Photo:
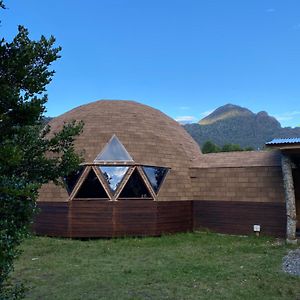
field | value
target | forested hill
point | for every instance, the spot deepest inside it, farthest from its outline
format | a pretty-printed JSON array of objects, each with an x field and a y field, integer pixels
[{"x": 238, "y": 125}]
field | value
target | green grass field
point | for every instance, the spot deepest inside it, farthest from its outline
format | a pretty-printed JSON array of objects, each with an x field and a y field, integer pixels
[{"x": 183, "y": 266}]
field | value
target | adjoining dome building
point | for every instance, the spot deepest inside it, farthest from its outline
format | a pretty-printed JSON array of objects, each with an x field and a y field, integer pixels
[{"x": 144, "y": 175}]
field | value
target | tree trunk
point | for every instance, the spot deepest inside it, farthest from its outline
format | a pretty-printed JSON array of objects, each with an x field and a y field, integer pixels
[{"x": 286, "y": 165}]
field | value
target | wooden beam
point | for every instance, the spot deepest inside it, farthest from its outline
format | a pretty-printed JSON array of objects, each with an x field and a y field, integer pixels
[
  {"x": 286, "y": 165},
  {"x": 295, "y": 146}
]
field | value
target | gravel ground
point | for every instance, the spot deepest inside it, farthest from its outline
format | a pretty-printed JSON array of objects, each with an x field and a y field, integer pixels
[{"x": 291, "y": 262}]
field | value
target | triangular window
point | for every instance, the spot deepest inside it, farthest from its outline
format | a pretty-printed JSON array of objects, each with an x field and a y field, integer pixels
[
  {"x": 155, "y": 176},
  {"x": 72, "y": 179},
  {"x": 135, "y": 187},
  {"x": 113, "y": 175},
  {"x": 114, "y": 151},
  {"x": 91, "y": 187}
]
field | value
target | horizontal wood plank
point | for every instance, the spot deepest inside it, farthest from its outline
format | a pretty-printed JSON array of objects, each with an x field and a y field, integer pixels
[
  {"x": 85, "y": 218},
  {"x": 239, "y": 217}
]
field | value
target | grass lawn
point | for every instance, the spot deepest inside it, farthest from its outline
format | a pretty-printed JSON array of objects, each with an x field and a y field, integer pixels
[{"x": 184, "y": 266}]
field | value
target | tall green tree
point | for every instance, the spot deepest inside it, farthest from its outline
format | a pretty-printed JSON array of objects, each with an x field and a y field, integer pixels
[{"x": 30, "y": 155}]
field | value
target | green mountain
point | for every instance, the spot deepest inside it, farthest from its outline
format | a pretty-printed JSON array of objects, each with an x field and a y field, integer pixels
[{"x": 238, "y": 125}]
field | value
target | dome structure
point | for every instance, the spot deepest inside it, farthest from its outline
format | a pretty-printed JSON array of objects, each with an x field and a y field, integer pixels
[
  {"x": 131, "y": 152},
  {"x": 143, "y": 175},
  {"x": 149, "y": 137}
]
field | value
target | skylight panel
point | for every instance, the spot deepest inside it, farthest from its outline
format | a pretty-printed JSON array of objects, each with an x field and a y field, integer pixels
[{"x": 114, "y": 151}]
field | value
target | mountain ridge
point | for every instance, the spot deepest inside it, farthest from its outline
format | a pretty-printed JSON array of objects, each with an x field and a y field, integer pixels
[
  {"x": 223, "y": 112},
  {"x": 238, "y": 125}
]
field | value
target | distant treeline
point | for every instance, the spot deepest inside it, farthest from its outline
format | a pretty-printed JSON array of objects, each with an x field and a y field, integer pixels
[{"x": 210, "y": 147}]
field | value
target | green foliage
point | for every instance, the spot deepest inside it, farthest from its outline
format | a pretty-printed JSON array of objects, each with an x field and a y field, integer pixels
[
  {"x": 210, "y": 147},
  {"x": 231, "y": 147},
  {"x": 249, "y": 149},
  {"x": 24, "y": 143}
]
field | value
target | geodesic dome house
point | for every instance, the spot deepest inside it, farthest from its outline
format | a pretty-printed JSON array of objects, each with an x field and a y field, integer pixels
[
  {"x": 143, "y": 174},
  {"x": 136, "y": 162}
]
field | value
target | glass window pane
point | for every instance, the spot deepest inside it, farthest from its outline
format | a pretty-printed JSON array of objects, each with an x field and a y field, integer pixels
[
  {"x": 114, "y": 151},
  {"x": 155, "y": 175},
  {"x": 135, "y": 187},
  {"x": 113, "y": 175},
  {"x": 72, "y": 179},
  {"x": 91, "y": 188}
]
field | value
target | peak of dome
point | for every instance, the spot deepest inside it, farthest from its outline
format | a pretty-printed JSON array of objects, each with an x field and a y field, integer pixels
[{"x": 147, "y": 134}]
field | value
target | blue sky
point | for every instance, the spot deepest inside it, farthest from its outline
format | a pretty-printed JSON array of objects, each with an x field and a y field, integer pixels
[{"x": 183, "y": 57}]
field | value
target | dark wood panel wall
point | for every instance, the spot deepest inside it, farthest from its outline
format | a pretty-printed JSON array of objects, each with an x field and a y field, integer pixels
[
  {"x": 91, "y": 218},
  {"x": 52, "y": 219},
  {"x": 96, "y": 218},
  {"x": 135, "y": 218},
  {"x": 239, "y": 217},
  {"x": 174, "y": 216}
]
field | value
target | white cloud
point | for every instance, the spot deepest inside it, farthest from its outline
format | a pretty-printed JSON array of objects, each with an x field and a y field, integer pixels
[
  {"x": 120, "y": 172},
  {"x": 185, "y": 119}
]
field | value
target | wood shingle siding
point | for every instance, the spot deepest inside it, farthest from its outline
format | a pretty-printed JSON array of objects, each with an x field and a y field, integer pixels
[{"x": 257, "y": 184}]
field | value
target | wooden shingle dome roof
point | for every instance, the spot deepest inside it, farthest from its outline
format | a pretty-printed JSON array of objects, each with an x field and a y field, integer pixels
[{"x": 150, "y": 137}]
